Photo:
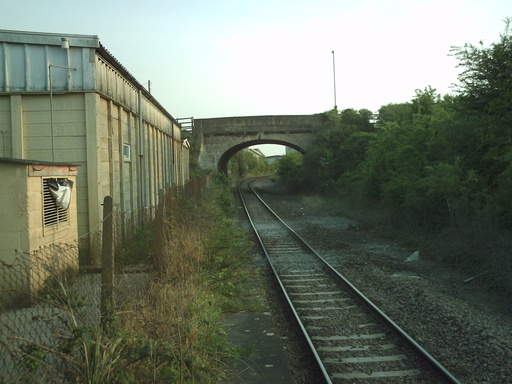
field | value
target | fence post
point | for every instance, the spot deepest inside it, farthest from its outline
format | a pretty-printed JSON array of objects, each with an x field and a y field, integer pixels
[
  {"x": 107, "y": 262},
  {"x": 160, "y": 231}
]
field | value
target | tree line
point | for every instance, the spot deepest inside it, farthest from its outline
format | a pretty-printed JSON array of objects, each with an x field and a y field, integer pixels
[
  {"x": 245, "y": 163},
  {"x": 437, "y": 157}
]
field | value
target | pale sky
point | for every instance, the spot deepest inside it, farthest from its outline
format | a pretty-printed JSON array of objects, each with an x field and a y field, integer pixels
[{"x": 213, "y": 58}]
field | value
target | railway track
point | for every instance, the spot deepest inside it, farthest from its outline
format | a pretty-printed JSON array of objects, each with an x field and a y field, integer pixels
[{"x": 351, "y": 339}]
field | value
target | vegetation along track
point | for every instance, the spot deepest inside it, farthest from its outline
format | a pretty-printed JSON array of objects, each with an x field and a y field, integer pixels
[{"x": 351, "y": 339}]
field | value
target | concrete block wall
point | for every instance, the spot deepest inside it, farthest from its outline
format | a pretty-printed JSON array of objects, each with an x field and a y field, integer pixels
[
  {"x": 29, "y": 251},
  {"x": 14, "y": 204}
]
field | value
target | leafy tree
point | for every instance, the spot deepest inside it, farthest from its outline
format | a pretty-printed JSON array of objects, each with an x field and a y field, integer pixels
[
  {"x": 289, "y": 169},
  {"x": 399, "y": 113},
  {"x": 486, "y": 99},
  {"x": 338, "y": 148},
  {"x": 409, "y": 164},
  {"x": 425, "y": 101},
  {"x": 435, "y": 156},
  {"x": 245, "y": 163},
  {"x": 486, "y": 95}
]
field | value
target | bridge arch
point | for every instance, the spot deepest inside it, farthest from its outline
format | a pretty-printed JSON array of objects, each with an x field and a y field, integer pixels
[
  {"x": 218, "y": 139},
  {"x": 222, "y": 165}
]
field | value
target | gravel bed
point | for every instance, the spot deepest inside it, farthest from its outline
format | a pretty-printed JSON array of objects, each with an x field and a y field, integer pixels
[{"x": 461, "y": 325}]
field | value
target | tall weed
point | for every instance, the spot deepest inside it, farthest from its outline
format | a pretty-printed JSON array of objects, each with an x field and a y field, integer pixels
[
  {"x": 199, "y": 273},
  {"x": 171, "y": 331}
]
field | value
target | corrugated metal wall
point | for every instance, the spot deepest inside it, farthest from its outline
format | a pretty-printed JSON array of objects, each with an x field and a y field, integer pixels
[{"x": 26, "y": 67}]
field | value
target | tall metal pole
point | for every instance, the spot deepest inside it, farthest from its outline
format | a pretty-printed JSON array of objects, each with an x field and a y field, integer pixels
[{"x": 334, "y": 78}]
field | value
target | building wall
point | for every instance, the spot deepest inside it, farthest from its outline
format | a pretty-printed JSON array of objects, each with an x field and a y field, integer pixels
[
  {"x": 25, "y": 243},
  {"x": 68, "y": 123},
  {"x": 183, "y": 164},
  {"x": 13, "y": 230},
  {"x": 26, "y": 133},
  {"x": 45, "y": 261},
  {"x": 103, "y": 170},
  {"x": 118, "y": 177},
  {"x": 5, "y": 127},
  {"x": 151, "y": 147},
  {"x": 14, "y": 203},
  {"x": 70, "y": 138},
  {"x": 98, "y": 108},
  {"x": 125, "y": 116}
]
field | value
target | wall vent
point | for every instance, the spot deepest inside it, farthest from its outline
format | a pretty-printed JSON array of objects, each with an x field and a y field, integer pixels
[{"x": 52, "y": 215}]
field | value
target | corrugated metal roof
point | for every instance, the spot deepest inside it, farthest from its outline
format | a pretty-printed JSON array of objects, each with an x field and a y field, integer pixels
[
  {"x": 27, "y": 58},
  {"x": 43, "y": 38}
]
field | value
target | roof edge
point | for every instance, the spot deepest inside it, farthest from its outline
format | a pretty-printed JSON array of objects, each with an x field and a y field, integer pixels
[
  {"x": 36, "y": 162},
  {"x": 103, "y": 52},
  {"x": 88, "y": 41},
  {"x": 47, "y": 38}
]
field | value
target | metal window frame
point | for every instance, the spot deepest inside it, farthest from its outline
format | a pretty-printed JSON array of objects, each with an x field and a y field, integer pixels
[{"x": 127, "y": 157}]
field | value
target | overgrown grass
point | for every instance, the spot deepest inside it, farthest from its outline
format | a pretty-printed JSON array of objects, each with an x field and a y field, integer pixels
[
  {"x": 199, "y": 275},
  {"x": 172, "y": 333}
]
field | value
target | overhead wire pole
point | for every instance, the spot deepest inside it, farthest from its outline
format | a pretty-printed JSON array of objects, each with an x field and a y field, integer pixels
[{"x": 334, "y": 78}]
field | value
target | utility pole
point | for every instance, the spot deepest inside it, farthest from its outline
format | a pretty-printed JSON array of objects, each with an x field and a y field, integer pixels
[{"x": 334, "y": 79}]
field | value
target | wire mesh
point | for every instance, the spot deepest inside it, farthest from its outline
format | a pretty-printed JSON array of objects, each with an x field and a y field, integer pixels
[{"x": 46, "y": 297}]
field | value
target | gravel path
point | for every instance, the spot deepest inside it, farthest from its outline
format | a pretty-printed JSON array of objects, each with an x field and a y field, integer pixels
[{"x": 467, "y": 330}]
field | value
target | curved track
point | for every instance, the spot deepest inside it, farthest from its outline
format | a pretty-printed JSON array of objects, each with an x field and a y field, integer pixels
[{"x": 351, "y": 339}]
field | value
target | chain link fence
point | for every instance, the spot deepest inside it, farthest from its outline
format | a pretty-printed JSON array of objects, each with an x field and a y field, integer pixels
[{"x": 47, "y": 299}]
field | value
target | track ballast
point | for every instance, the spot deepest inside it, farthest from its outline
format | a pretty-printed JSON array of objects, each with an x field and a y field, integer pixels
[{"x": 351, "y": 339}]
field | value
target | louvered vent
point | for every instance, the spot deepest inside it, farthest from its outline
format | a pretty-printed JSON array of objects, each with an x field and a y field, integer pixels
[{"x": 52, "y": 215}]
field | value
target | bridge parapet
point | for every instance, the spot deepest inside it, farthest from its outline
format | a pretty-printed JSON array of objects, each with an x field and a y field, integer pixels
[{"x": 251, "y": 124}]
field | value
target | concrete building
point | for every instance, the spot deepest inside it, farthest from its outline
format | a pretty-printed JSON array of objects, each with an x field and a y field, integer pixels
[
  {"x": 65, "y": 98},
  {"x": 31, "y": 221},
  {"x": 256, "y": 152}
]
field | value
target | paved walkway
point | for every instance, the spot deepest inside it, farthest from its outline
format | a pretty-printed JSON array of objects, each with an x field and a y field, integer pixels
[{"x": 256, "y": 332}]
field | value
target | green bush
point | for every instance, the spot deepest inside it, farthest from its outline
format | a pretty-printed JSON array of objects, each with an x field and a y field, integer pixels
[
  {"x": 289, "y": 170},
  {"x": 440, "y": 164}
]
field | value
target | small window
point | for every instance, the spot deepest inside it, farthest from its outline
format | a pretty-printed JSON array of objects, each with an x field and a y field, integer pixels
[
  {"x": 52, "y": 214},
  {"x": 127, "y": 152}
]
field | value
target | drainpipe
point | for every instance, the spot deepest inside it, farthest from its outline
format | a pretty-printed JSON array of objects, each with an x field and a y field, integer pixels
[
  {"x": 50, "y": 66},
  {"x": 5, "y": 144},
  {"x": 141, "y": 153},
  {"x": 173, "y": 176}
]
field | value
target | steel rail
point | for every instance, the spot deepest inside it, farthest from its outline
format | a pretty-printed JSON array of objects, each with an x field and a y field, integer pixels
[
  {"x": 283, "y": 290},
  {"x": 441, "y": 372}
]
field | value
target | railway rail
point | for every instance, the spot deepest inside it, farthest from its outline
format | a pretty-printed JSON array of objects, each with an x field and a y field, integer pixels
[{"x": 351, "y": 339}]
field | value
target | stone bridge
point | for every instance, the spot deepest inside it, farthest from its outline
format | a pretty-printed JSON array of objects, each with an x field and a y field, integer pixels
[{"x": 218, "y": 139}]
